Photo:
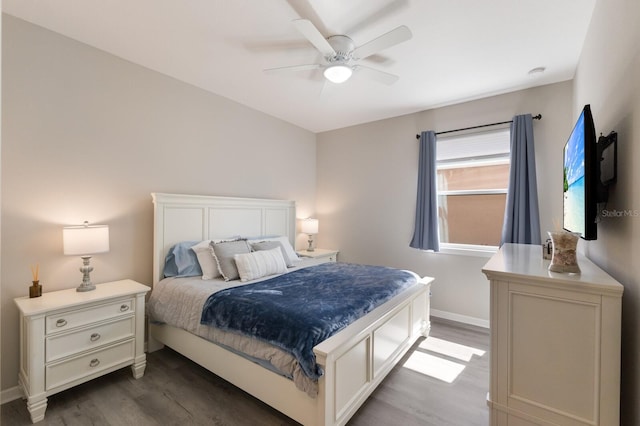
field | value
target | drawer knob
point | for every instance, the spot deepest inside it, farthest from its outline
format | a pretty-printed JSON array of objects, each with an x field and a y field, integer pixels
[
  {"x": 124, "y": 308},
  {"x": 61, "y": 322},
  {"x": 94, "y": 337},
  {"x": 94, "y": 362}
]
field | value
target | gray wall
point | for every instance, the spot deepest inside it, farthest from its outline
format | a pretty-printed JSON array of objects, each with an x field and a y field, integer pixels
[
  {"x": 366, "y": 193},
  {"x": 88, "y": 136},
  {"x": 608, "y": 78}
]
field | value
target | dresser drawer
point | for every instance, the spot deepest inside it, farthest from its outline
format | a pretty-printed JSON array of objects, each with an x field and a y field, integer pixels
[
  {"x": 79, "y": 317},
  {"x": 61, "y": 345},
  {"x": 81, "y": 367}
]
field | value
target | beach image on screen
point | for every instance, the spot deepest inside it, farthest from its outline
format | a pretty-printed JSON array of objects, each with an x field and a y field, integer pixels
[{"x": 574, "y": 195}]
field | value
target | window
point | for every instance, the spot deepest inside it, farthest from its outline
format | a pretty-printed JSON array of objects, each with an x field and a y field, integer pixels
[{"x": 473, "y": 176}]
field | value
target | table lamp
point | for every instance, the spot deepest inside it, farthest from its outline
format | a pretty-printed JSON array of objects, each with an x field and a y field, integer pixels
[
  {"x": 85, "y": 240},
  {"x": 310, "y": 227}
]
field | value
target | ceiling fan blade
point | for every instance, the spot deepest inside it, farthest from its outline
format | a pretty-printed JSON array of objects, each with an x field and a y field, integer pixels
[
  {"x": 379, "y": 76},
  {"x": 393, "y": 37},
  {"x": 314, "y": 36},
  {"x": 293, "y": 68},
  {"x": 304, "y": 9}
]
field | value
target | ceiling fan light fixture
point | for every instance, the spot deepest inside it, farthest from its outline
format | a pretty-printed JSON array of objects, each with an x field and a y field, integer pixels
[{"x": 338, "y": 73}]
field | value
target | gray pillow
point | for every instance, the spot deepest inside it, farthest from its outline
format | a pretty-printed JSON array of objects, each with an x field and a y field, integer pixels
[
  {"x": 268, "y": 245},
  {"x": 224, "y": 252}
]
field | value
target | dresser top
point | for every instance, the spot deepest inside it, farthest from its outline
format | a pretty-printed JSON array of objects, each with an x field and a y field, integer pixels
[
  {"x": 53, "y": 300},
  {"x": 524, "y": 260}
]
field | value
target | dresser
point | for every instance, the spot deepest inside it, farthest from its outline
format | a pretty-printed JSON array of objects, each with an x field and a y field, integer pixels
[
  {"x": 555, "y": 341},
  {"x": 69, "y": 337}
]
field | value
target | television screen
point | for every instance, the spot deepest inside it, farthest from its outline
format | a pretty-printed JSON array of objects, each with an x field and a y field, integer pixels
[{"x": 580, "y": 178}]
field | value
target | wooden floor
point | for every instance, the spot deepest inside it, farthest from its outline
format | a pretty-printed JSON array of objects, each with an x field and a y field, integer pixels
[{"x": 175, "y": 391}]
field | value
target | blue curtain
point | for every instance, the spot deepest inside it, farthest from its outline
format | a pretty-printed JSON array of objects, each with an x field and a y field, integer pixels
[
  {"x": 425, "y": 235},
  {"x": 521, "y": 217}
]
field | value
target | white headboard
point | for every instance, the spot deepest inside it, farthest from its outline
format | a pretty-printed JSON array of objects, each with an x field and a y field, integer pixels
[{"x": 178, "y": 217}]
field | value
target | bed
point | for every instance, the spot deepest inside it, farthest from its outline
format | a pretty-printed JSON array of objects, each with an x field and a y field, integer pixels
[{"x": 354, "y": 361}]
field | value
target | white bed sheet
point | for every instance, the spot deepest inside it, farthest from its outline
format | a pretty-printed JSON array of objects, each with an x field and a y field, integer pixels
[{"x": 179, "y": 301}]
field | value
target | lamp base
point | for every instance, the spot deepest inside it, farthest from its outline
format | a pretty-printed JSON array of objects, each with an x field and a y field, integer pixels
[
  {"x": 86, "y": 285},
  {"x": 82, "y": 287},
  {"x": 310, "y": 241}
]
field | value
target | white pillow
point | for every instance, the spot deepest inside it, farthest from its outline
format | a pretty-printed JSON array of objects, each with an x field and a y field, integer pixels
[
  {"x": 206, "y": 260},
  {"x": 286, "y": 245},
  {"x": 260, "y": 264}
]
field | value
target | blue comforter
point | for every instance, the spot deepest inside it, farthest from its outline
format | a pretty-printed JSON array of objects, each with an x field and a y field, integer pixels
[{"x": 300, "y": 309}]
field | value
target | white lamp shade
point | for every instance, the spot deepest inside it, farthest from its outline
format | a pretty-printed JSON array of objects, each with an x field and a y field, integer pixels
[
  {"x": 309, "y": 226},
  {"x": 338, "y": 73},
  {"x": 85, "y": 239}
]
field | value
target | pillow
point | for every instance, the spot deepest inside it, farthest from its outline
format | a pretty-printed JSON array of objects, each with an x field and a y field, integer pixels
[
  {"x": 223, "y": 253},
  {"x": 290, "y": 253},
  {"x": 269, "y": 245},
  {"x": 206, "y": 260},
  {"x": 260, "y": 264},
  {"x": 181, "y": 261}
]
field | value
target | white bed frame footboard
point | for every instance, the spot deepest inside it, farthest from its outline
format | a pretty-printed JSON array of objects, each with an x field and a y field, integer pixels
[{"x": 355, "y": 360}]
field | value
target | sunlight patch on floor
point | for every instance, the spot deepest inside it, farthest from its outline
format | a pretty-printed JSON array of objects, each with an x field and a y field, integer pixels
[
  {"x": 450, "y": 349},
  {"x": 434, "y": 366}
]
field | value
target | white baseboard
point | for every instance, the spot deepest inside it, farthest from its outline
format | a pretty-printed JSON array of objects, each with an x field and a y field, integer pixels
[
  {"x": 10, "y": 394},
  {"x": 460, "y": 318}
]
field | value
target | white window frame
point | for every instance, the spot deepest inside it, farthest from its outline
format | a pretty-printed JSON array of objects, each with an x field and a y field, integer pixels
[{"x": 504, "y": 158}]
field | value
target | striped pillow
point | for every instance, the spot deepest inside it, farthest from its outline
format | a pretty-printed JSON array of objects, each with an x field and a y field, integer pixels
[{"x": 260, "y": 264}]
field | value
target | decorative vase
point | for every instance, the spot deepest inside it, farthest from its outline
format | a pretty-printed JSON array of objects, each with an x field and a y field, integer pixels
[
  {"x": 564, "y": 257},
  {"x": 35, "y": 290}
]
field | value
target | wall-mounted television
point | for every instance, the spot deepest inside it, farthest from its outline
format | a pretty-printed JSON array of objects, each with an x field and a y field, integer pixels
[
  {"x": 580, "y": 178},
  {"x": 584, "y": 180}
]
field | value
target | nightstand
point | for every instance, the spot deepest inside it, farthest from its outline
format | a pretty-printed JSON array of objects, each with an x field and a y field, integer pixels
[
  {"x": 319, "y": 255},
  {"x": 69, "y": 337}
]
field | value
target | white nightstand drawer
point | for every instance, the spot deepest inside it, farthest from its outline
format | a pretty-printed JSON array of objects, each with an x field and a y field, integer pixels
[
  {"x": 318, "y": 260},
  {"x": 61, "y": 345},
  {"x": 318, "y": 256},
  {"x": 88, "y": 364},
  {"x": 79, "y": 317}
]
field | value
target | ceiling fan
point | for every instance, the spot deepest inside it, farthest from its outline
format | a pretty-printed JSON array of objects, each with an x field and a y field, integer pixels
[{"x": 341, "y": 55}]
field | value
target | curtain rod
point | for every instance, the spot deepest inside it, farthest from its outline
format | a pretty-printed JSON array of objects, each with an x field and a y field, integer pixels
[{"x": 535, "y": 117}]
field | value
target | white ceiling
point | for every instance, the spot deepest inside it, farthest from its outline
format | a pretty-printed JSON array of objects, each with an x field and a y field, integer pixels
[{"x": 460, "y": 50}]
